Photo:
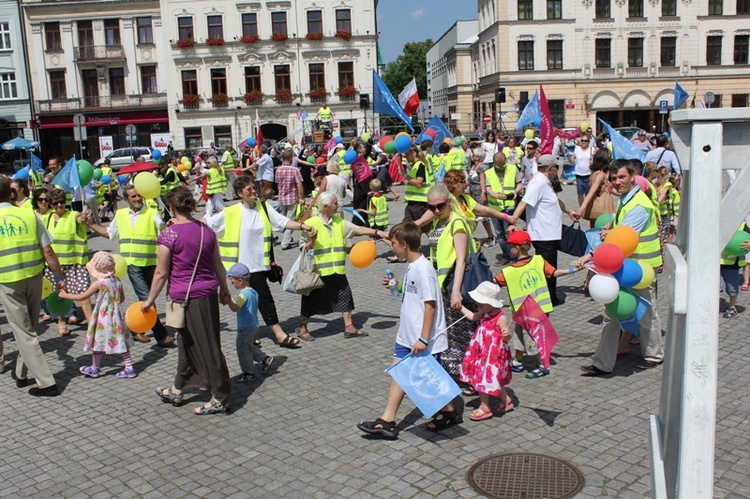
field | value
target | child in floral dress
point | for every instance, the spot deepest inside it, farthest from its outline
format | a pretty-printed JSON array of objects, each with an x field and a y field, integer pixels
[
  {"x": 107, "y": 332},
  {"x": 487, "y": 363}
]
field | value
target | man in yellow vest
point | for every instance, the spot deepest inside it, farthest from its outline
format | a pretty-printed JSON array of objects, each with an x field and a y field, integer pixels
[
  {"x": 325, "y": 115},
  {"x": 24, "y": 252},
  {"x": 137, "y": 229},
  {"x": 228, "y": 164},
  {"x": 418, "y": 182},
  {"x": 216, "y": 187},
  {"x": 636, "y": 210},
  {"x": 457, "y": 156},
  {"x": 501, "y": 185}
]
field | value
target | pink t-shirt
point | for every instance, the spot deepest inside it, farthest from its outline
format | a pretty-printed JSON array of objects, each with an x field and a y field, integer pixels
[{"x": 183, "y": 240}]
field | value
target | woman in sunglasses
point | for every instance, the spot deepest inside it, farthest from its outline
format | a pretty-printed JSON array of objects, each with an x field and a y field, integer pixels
[{"x": 68, "y": 229}]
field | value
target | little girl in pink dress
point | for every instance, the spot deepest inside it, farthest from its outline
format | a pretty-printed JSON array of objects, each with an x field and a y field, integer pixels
[{"x": 487, "y": 363}]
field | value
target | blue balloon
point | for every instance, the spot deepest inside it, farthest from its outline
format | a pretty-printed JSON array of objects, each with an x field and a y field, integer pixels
[
  {"x": 403, "y": 143},
  {"x": 350, "y": 156},
  {"x": 123, "y": 179},
  {"x": 338, "y": 139},
  {"x": 251, "y": 142},
  {"x": 156, "y": 154},
  {"x": 629, "y": 274},
  {"x": 106, "y": 179}
]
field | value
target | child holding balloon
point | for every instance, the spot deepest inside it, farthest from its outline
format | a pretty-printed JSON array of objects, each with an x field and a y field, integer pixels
[{"x": 107, "y": 332}]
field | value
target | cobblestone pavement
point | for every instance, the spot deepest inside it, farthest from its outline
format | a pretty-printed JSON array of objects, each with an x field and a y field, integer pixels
[{"x": 293, "y": 434}]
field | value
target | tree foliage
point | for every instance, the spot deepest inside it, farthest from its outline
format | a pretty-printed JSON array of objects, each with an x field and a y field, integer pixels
[{"x": 411, "y": 64}]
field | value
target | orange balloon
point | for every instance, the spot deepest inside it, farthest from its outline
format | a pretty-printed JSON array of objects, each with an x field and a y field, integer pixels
[
  {"x": 363, "y": 254},
  {"x": 137, "y": 321},
  {"x": 625, "y": 238},
  {"x": 181, "y": 168}
]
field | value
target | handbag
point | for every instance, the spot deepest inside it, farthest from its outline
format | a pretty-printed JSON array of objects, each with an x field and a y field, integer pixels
[
  {"x": 602, "y": 205},
  {"x": 573, "y": 241},
  {"x": 306, "y": 279},
  {"x": 175, "y": 316},
  {"x": 476, "y": 272},
  {"x": 276, "y": 274}
]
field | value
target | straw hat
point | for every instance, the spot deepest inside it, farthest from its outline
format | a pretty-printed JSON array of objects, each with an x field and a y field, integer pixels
[
  {"x": 487, "y": 293},
  {"x": 101, "y": 265}
]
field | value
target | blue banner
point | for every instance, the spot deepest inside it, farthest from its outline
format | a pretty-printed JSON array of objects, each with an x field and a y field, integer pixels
[
  {"x": 36, "y": 164},
  {"x": 441, "y": 133},
  {"x": 425, "y": 381},
  {"x": 68, "y": 179},
  {"x": 631, "y": 324},
  {"x": 622, "y": 148},
  {"x": 384, "y": 103},
  {"x": 532, "y": 113},
  {"x": 680, "y": 96}
]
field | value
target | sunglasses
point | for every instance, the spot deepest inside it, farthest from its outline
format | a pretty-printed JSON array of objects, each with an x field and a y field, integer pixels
[
  {"x": 437, "y": 207},
  {"x": 58, "y": 203},
  {"x": 42, "y": 200},
  {"x": 584, "y": 141}
]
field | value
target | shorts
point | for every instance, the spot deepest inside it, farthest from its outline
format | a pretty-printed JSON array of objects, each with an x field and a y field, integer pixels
[
  {"x": 730, "y": 274},
  {"x": 583, "y": 184},
  {"x": 400, "y": 351}
]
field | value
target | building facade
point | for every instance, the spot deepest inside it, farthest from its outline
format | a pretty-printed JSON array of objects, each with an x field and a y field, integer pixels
[
  {"x": 609, "y": 59},
  {"x": 232, "y": 59}
]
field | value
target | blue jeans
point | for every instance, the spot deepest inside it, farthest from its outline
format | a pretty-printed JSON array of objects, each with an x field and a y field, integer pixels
[
  {"x": 140, "y": 278},
  {"x": 500, "y": 227}
]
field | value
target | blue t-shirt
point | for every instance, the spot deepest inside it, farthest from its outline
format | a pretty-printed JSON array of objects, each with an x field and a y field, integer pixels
[{"x": 247, "y": 315}]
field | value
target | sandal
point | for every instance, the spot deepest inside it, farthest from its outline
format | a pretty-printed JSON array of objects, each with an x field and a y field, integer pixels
[
  {"x": 358, "y": 333},
  {"x": 46, "y": 317},
  {"x": 498, "y": 410},
  {"x": 443, "y": 420},
  {"x": 380, "y": 427},
  {"x": 89, "y": 371},
  {"x": 290, "y": 342},
  {"x": 212, "y": 407},
  {"x": 304, "y": 334},
  {"x": 72, "y": 320},
  {"x": 745, "y": 287},
  {"x": 62, "y": 329},
  {"x": 468, "y": 392},
  {"x": 168, "y": 396},
  {"x": 481, "y": 413}
]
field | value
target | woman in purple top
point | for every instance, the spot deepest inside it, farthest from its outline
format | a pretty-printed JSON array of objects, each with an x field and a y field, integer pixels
[{"x": 200, "y": 360}]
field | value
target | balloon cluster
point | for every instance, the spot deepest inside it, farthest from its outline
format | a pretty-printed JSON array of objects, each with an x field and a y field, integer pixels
[{"x": 619, "y": 273}]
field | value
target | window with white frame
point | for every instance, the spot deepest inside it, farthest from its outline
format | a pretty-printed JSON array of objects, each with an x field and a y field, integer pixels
[
  {"x": 5, "y": 36},
  {"x": 8, "y": 88}
]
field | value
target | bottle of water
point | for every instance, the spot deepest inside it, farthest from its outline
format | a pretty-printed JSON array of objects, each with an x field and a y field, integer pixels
[{"x": 392, "y": 285}]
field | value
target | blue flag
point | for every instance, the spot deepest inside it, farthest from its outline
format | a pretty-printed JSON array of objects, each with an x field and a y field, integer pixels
[
  {"x": 384, "y": 103},
  {"x": 68, "y": 179},
  {"x": 631, "y": 324},
  {"x": 36, "y": 164},
  {"x": 425, "y": 381},
  {"x": 680, "y": 96},
  {"x": 531, "y": 114},
  {"x": 22, "y": 173},
  {"x": 622, "y": 148},
  {"x": 441, "y": 133}
]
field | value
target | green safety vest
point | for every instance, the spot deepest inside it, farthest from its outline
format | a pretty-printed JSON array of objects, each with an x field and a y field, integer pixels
[
  {"x": 731, "y": 259},
  {"x": 649, "y": 245},
  {"x": 70, "y": 242},
  {"x": 217, "y": 181},
  {"x": 165, "y": 188},
  {"x": 507, "y": 186},
  {"x": 528, "y": 280},
  {"x": 229, "y": 242},
  {"x": 330, "y": 248},
  {"x": 380, "y": 218},
  {"x": 20, "y": 254},
  {"x": 418, "y": 194},
  {"x": 138, "y": 244}
]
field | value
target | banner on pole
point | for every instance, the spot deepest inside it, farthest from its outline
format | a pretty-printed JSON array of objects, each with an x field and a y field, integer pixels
[{"x": 425, "y": 381}]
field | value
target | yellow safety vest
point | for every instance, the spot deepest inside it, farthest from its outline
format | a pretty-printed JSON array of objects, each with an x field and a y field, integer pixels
[
  {"x": 330, "y": 248},
  {"x": 649, "y": 245},
  {"x": 507, "y": 186},
  {"x": 663, "y": 205},
  {"x": 674, "y": 204},
  {"x": 519, "y": 154},
  {"x": 444, "y": 259},
  {"x": 20, "y": 254},
  {"x": 172, "y": 184},
  {"x": 70, "y": 242},
  {"x": 325, "y": 114},
  {"x": 468, "y": 213},
  {"x": 528, "y": 280},
  {"x": 344, "y": 167},
  {"x": 229, "y": 161},
  {"x": 456, "y": 159},
  {"x": 27, "y": 204},
  {"x": 731, "y": 259},
  {"x": 229, "y": 242},
  {"x": 216, "y": 181},
  {"x": 418, "y": 194},
  {"x": 101, "y": 191},
  {"x": 36, "y": 178},
  {"x": 138, "y": 244},
  {"x": 380, "y": 218}
]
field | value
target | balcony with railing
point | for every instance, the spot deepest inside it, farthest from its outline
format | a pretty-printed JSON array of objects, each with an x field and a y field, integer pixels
[
  {"x": 90, "y": 53},
  {"x": 102, "y": 102}
]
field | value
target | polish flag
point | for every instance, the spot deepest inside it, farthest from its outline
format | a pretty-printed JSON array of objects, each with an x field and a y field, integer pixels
[
  {"x": 408, "y": 99},
  {"x": 258, "y": 132}
]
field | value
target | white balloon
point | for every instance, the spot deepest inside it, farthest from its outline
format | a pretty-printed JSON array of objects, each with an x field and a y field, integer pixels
[{"x": 604, "y": 288}]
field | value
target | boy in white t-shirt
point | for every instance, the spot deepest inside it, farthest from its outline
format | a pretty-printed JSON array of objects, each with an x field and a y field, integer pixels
[{"x": 422, "y": 320}]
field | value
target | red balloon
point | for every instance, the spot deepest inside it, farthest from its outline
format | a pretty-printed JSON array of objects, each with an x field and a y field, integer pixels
[
  {"x": 384, "y": 140},
  {"x": 431, "y": 133},
  {"x": 608, "y": 258},
  {"x": 320, "y": 160}
]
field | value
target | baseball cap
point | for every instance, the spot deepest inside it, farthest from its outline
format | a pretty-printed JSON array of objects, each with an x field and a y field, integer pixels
[
  {"x": 239, "y": 271},
  {"x": 519, "y": 237},
  {"x": 546, "y": 160}
]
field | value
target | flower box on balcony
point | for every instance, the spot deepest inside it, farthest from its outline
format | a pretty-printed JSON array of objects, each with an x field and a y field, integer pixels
[
  {"x": 347, "y": 91},
  {"x": 191, "y": 100},
  {"x": 250, "y": 39},
  {"x": 343, "y": 34},
  {"x": 283, "y": 94},
  {"x": 279, "y": 37},
  {"x": 318, "y": 93},
  {"x": 186, "y": 43},
  {"x": 315, "y": 37},
  {"x": 215, "y": 42},
  {"x": 219, "y": 100},
  {"x": 253, "y": 97}
]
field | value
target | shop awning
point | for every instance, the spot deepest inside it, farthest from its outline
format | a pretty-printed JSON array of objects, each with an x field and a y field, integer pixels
[{"x": 110, "y": 119}]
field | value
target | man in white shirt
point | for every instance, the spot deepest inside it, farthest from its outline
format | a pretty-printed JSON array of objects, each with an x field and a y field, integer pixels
[
  {"x": 265, "y": 171},
  {"x": 581, "y": 157},
  {"x": 544, "y": 216},
  {"x": 528, "y": 162},
  {"x": 663, "y": 156}
]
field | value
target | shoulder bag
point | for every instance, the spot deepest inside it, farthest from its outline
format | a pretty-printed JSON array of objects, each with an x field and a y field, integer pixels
[
  {"x": 175, "y": 316},
  {"x": 276, "y": 274},
  {"x": 477, "y": 269},
  {"x": 306, "y": 279}
]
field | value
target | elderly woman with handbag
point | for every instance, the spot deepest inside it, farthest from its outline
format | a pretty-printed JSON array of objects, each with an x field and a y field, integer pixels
[{"x": 188, "y": 258}]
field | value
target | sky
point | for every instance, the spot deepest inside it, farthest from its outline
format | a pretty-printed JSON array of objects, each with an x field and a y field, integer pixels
[{"x": 402, "y": 21}]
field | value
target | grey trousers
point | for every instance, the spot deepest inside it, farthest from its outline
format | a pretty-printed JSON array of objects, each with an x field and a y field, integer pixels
[
  {"x": 247, "y": 351},
  {"x": 651, "y": 345}
]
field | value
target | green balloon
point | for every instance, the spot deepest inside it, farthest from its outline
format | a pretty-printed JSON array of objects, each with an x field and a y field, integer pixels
[
  {"x": 459, "y": 141},
  {"x": 734, "y": 246},
  {"x": 98, "y": 173},
  {"x": 624, "y": 305},
  {"x": 603, "y": 220},
  {"x": 58, "y": 306},
  {"x": 311, "y": 159},
  {"x": 390, "y": 147},
  {"x": 85, "y": 171}
]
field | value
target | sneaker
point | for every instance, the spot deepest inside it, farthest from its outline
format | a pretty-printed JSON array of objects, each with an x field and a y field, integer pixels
[
  {"x": 89, "y": 371},
  {"x": 127, "y": 373},
  {"x": 266, "y": 364},
  {"x": 537, "y": 373},
  {"x": 516, "y": 366},
  {"x": 245, "y": 377},
  {"x": 730, "y": 312},
  {"x": 648, "y": 364},
  {"x": 489, "y": 243}
]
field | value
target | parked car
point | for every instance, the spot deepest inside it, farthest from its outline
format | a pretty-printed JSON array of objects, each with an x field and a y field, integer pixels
[
  {"x": 630, "y": 131},
  {"x": 125, "y": 156}
]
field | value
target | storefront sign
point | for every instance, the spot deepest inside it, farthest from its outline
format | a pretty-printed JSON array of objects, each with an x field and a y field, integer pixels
[
  {"x": 160, "y": 141},
  {"x": 135, "y": 118},
  {"x": 106, "y": 145}
]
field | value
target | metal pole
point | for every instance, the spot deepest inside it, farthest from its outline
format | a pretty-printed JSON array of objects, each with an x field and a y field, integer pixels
[{"x": 80, "y": 142}]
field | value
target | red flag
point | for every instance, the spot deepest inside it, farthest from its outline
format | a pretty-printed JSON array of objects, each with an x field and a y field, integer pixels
[
  {"x": 408, "y": 99},
  {"x": 547, "y": 132},
  {"x": 531, "y": 318},
  {"x": 258, "y": 132},
  {"x": 395, "y": 169}
]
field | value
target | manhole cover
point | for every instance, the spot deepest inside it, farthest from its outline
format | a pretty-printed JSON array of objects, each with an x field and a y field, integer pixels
[{"x": 522, "y": 475}]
